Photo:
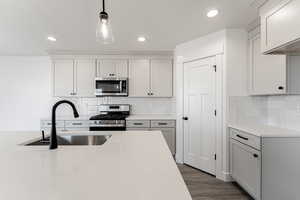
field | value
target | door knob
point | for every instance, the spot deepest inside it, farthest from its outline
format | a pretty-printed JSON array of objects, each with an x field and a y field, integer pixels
[{"x": 185, "y": 118}]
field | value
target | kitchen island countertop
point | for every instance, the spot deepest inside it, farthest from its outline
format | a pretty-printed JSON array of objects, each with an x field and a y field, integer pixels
[{"x": 130, "y": 166}]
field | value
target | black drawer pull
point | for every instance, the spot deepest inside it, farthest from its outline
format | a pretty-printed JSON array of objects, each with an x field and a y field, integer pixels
[
  {"x": 280, "y": 88},
  {"x": 255, "y": 155},
  {"x": 162, "y": 124},
  {"x": 138, "y": 124},
  {"x": 77, "y": 124},
  {"x": 244, "y": 138}
]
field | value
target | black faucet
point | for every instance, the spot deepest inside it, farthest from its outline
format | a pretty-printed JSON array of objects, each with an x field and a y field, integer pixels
[{"x": 53, "y": 136}]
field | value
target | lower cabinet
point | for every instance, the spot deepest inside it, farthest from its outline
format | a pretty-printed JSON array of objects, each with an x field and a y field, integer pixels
[
  {"x": 169, "y": 135},
  {"x": 167, "y": 127},
  {"x": 245, "y": 161}
]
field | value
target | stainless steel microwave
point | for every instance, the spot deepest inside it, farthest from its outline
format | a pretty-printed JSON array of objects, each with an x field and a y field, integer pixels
[{"x": 111, "y": 87}]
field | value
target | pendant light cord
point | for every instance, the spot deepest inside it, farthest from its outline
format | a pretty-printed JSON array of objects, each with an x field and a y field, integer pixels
[{"x": 103, "y": 4}]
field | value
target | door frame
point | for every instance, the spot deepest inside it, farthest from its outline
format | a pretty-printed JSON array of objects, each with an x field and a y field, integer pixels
[
  {"x": 212, "y": 62},
  {"x": 221, "y": 103}
]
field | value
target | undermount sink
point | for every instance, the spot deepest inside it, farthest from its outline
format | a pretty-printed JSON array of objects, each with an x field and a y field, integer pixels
[{"x": 73, "y": 140}]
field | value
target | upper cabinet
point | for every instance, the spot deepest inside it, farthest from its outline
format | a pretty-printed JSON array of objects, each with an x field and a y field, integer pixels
[
  {"x": 267, "y": 72},
  {"x": 63, "y": 78},
  {"x": 146, "y": 77},
  {"x": 150, "y": 78},
  {"x": 280, "y": 26},
  {"x": 112, "y": 68},
  {"x": 272, "y": 74},
  {"x": 161, "y": 78},
  {"x": 74, "y": 78},
  {"x": 139, "y": 78}
]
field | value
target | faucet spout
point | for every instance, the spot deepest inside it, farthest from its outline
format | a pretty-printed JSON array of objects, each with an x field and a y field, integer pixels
[{"x": 53, "y": 136}]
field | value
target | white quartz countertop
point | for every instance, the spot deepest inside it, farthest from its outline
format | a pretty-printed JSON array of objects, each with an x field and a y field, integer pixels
[
  {"x": 152, "y": 117},
  {"x": 265, "y": 130},
  {"x": 130, "y": 165}
]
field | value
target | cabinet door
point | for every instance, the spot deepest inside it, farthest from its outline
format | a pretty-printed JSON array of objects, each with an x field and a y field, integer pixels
[
  {"x": 63, "y": 71},
  {"x": 106, "y": 68},
  {"x": 267, "y": 72},
  {"x": 139, "y": 78},
  {"x": 246, "y": 167},
  {"x": 85, "y": 78},
  {"x": 170, "y": 137},
  {"x": 161, "y": 78},
  {"x": 121, "y": 67},
  {"x": 280, "y": 25}
]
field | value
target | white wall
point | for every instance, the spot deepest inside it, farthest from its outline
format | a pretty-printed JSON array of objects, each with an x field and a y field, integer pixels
[
  {"x": 25, "y": 88},
  {"x": 25, "y": 92}
]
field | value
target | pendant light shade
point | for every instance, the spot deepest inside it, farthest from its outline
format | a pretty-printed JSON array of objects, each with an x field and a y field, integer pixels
[{"x": 104, "y": 31}]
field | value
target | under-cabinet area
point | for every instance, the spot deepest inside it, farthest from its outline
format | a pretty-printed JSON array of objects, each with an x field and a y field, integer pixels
[{"x": 76, "y": 77}]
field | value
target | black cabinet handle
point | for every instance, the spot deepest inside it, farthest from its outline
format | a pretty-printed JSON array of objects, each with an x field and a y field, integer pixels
[
  {"x": 78, "y": 124},
  {"x": 244, "y": 138},
  {"x": 138, "y": 124},
  {"x": 162, "y": 124},
  {"x": 280, "y": 88},
  {"x": 185, "y": 118},
  {"x": 255, "y": 155}
]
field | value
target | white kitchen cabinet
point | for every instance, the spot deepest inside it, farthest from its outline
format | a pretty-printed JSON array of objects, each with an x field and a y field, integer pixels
[
  {"x": 74, "y": 78},
  {"x": 63, "y": 74},
  {"x": 161, "y": 78},
  {"x": 150, "y": 78},
  {"x": 112, "y": 68},
  {"x": 85, "y": 78},
  {"x": 272, "y": 74},
  {"x": 280, "y": 26},
  {"x": 169, "y": 135},
  {"x": 267, "y": 72},
  {"x": 167, "y": 127},
  {"x": 139, "y": 78},
  {"x": 246, "y": 167}
]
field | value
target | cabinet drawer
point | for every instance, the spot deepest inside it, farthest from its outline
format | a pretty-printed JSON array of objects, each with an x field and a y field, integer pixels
[
  {"x": 77, "y": 123},
  {"x": 162, "y": 123},
  {"x": 245, "y": 138},
  {"x": 138, "y": 124},
  {"x": 48, "y": 124}
]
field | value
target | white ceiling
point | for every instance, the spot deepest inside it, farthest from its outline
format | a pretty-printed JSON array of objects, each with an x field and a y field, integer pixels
[{"x": 25, "y": 24}]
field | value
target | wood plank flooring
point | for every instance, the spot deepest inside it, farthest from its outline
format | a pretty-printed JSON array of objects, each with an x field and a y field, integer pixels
[{"x": 203, "y": 186}]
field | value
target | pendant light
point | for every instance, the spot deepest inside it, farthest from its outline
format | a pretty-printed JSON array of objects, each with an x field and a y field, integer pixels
[{"x": 104, "y": 30}]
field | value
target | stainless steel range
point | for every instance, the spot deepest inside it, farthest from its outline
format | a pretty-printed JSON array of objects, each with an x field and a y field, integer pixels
[{"x": 111, "y": 117}]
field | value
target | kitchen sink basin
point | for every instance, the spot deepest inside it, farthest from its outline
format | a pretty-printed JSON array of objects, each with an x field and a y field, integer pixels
[{"x": 73, "y": 140}]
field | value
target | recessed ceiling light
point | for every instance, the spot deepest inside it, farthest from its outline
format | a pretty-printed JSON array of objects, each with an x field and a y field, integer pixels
[
  {"x": 212, "y": 13},
  {"x": 141, "y": 39},
  {"x": 50, "y": 38}
]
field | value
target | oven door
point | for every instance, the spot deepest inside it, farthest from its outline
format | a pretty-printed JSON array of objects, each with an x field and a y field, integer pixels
[{"x": 111, "y": 87}]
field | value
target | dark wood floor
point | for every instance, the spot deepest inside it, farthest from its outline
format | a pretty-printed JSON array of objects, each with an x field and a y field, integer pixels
[{"x": 203, "y": 186}]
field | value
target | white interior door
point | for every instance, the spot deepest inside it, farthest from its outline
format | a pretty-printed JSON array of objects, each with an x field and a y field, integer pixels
[{"x": 199, "y": 108}]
